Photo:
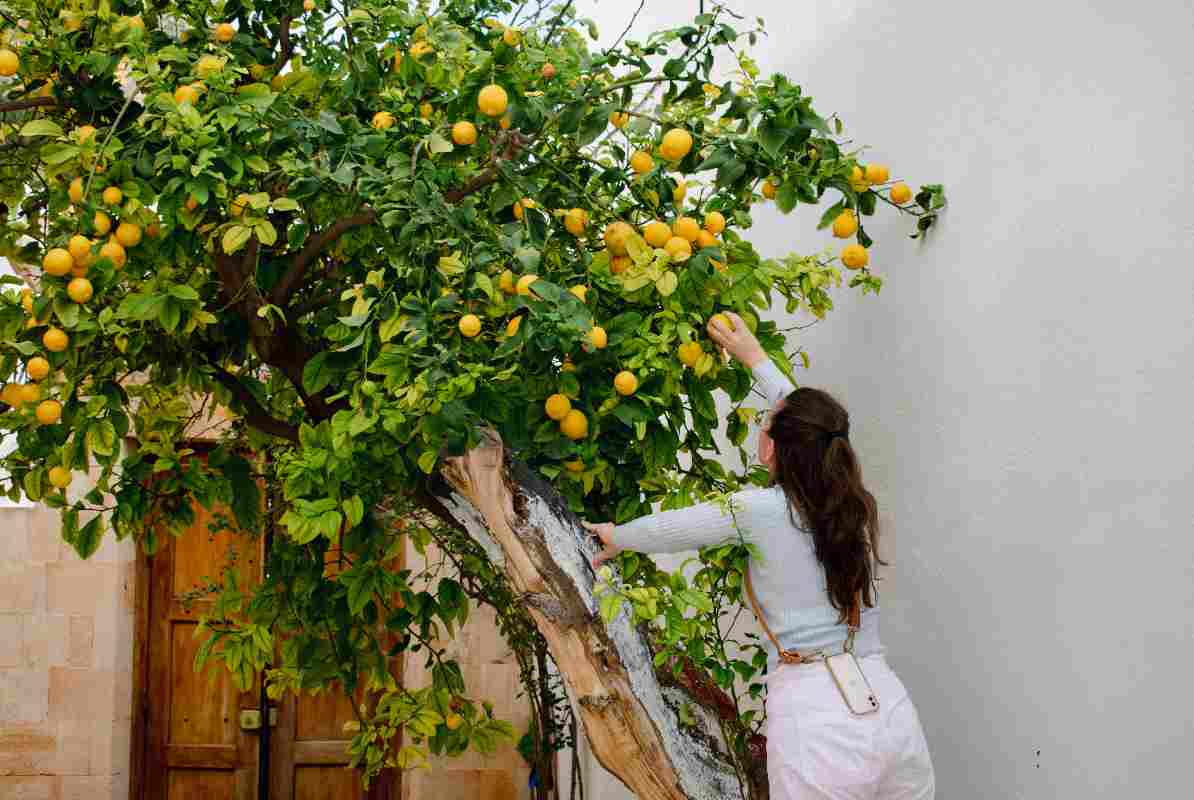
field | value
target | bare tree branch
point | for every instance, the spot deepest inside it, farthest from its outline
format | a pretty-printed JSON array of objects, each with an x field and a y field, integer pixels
[
  {"x": 316, "y": 242},
  {"x": 256, "y": 414},
  {"x": 29, "y": 102},
  {"x": 285, "y": 46},
  {"x": 515, "y": 141}
]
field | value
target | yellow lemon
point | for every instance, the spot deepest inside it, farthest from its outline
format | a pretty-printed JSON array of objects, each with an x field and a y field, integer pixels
[
  {"x": 705, "y": 239},
  {"x": 37, "y": 368},
  {"x": 679, "y": 248},
  {"x": 128, "y": 234},
  {"x": 769, "y": 190},
  {"x": 575, "y": 221},
  {"x": 512, "y": 326},
  {"x": 383, "y": 120},
  {"x": 224, "y": 32},
  {"x": 511, "y": 36},
  {"x": 469, "y": 325},
  {"x": 27, "y": 300},
  {"x": 715, "y": 222},
  {"x": 523, "y": 287},
  {"x": 49, "y": 411},
  {"x": 102, "y": 223},
  {"x": 59, "y": 477},
  {"x": 112, "y": 195},
  {"x": 597, "y": 337},
  {"x": 616, "y": 234},
  {"x": 858, "y": 181},
  {"x": 114, "y": 252},
  {"x": 453, "y": 721},
  {"x": 575, "y": 425},
  {"x": 690, "y": 353},
  {"x": 425, "y": 110},
  {"x": 641, "y": 162},
  {"x": 855, "y": 256},
  {"x": 420, "y": 49},
  {"x": 722, "y": 320},
  {"x": 676, "y": 144},
  {"x": 186, "y": 94},
  {"x": 575, "y": 467},
  {"x": 679, "y": 192},
  {"x": 86, "y": 133},
  {"x": 208, "y": 65},
  {"x": 877, "y": 173},
  {"x": 549, "y": 71},
  {"x": 235, "y": 208},
  {"x": 901, "y": 193},
  {"x": 557, "y": 407},
  {"x": 625, "y": 383},
  {"x": 579, "y": 292},
  {"x": 493, "y": 100},
  {"x": 28, "y": 393},
  {"x": 845, "y": 225},
  {"x": 619, "y": 264},
  {"x": 57, "y": 262},
  {"x": 9, "y": 62},
  {"x": 308, "y": 5},
  {"x": 55, "y": 340},
  {"x": 75, "y": 192},
  {"x": 505, "y": 122},
  {"x": 464, "y": 133},
  {"x": 79, "y": 290},
  {"x": 506, "y": 282},
  {"x": 619, "y": 119},
  {"x": 657, "y": 233},
  {"x": 686, "y": 228}
]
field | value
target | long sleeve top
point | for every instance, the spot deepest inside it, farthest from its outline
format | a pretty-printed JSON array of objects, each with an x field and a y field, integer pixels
[{"x": 788, "y": 579}]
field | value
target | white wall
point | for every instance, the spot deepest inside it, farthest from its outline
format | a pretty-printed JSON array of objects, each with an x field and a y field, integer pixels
[{"x": 1021, "y": 390}]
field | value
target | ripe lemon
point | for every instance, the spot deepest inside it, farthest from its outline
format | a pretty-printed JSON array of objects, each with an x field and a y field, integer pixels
[
  {"x": 705, "y": 239},
  {"x": 49, "y": 411},
  {"x": 676, "y": 144},
  {"x": 37, "y": 368},
  {"x": 308, "y": 5},
  {"x": 9, "y": 63},
  {"x": 208, "y": 65},
  {"x": 575, "y": 425},
  {"x": 505, "y": 122},
  {"x": 11, "y": 395},
  {"x": 855, "y": 256},
  {"x": 191, "y": 204},
  {"x": 597, "y": 337},
  {"x": 511, "y": 36},
  {"x": 679, "y": 192},
  {"x": 845, "y": 225},
  {"x": 619, "y": 119},
  {"x": 114, "y": 252},
  {"x": 722, "y": 320},
  {"x": 235, "y": 208},
  {"x": 641, "y": 162},
  {"x": 128, "y": 234},
  {"x": 464, "y": 133},
  {"x": 690, "y": 353},
  {"x": 425, "y": 110},
  {"x": 557, "y": 406},
  {"x": 453, "y": 721},
  {"x": 575, "y": 467},
  {"x": 567, "y": 366},
  {"x": 79, "y": 290},
  {"x": 186, "y": 94},
  {"x": 383, "y": 120},
  {"x": 86, "y": 133},
  {"x": 397, "y": 62},
  {"x": 102, "y": 223},
  {"x": 625, "y": 383},
  {"x": 769, "y": 190},
  {"x": 686, "y": 228},
  {"x": 79, "y": 247},
  {"x": 470, "y": 325},
  {"x": 678, "y": 248},
  {"x": 512, "y": 326},
  {"x": 657, "y": 233},
  {"x": 520, "y": 207},
  {"x": 575, "y": 221},
  {"x": 858, "y": 181},
  {"x": 549, "y": 71},
  {"x": 75, "y": 192},
  {"x": 27, "y": 300},
  {"x": 29, "y": 393},
  {"x": 579, "y": 292},
  {"x": 877, "y": 173},
  {"x": 420, "y": 49},
  {"x": 57, "y": 262},
  {"x": 616, "y": 234},
  {"x": 59, "y": 477},
  {"x": 224, "y": 32},
  {"x": 55, "y": 340},
  {"x": 112, "y": 195},
  {"x": 715, "y": 222},
  {"x": 619, "y": 264},
  {"x": 901, "y": 193},
  {"x": 506, "y": 282},
  {"x": 523, "y": 287},
  {"x": 492, "y": 101}
]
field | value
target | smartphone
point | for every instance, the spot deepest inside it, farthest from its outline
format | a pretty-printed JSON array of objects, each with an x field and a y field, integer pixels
[{"x": 856, "y": 691}]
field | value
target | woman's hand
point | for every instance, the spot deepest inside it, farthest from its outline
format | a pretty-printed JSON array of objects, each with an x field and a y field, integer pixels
[
  {"x": 605, "y": 532},
  {"x": 739, "y": 342}
]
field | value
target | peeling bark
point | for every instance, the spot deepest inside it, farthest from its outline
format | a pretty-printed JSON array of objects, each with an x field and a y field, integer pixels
[{"x": 631, "y": 718}]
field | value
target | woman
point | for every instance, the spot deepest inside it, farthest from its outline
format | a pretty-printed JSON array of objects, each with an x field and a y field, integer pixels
[{"x": 816, "y": 530}]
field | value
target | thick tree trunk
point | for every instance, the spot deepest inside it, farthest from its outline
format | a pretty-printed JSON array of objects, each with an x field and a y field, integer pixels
[{"x": 630, "y": 716}]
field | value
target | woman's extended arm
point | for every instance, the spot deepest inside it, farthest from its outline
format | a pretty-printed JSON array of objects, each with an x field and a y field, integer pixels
[
  {"x": 674, "y": 531},
  {"x": 743, "y": 346}
]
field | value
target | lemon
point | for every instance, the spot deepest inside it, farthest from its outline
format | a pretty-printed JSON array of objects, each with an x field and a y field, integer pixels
[
  {"x": 676, "y": 144},
  {"x": 678, "y": 248},
  {"x": 575, "y": 467},
  {"x": 619, "y": 119},
  {"x": 464, "y": 133},
  {"x": 114, "y": 252},
  {"x": 722, "y": 320},
  {"x": 492, "y": 101},
  {"x": 28, "y": 393},
  {"x": 523, "y": 287},
  {"x": 505, "y": 122},
  {"x": 855, "y": 256},
  {"x": 686, "y": 228},
  {"x": 11, "y": 394},
  {"x": 420, "y": 49},
  {"x": 235, "y": 208},
  {"x": 877, "y": 173},
  {"x": 57, "y": 262},
  {"x": 845, "y": 225},
  {"x": 79, "y": 290},
  {"x": 383, "y": 120},
  {"x": 557, "y": 406},
  {"x": 469, "y": 325},
  {"x": 86, "y": 133},
  {"x": 520, "y": 207},
  {"x": 102, "y": 223},
  {"x": 690, "y": 353},
  {"x": 55, "y": 340},
  {"x": 128, "y": 234},
  {"x": 506, "y": 282},
  {"x": 308, "y": 5},
  {"x": 27, "y": 300},
  {"x": 75, "y": 192},
  {"x": 619, "y": 264},
  {"x": 37, "y": 368},
  {"x": 769, "y": 190},
  {"x": 597, "y": 337},
  {"x": 112, "y": 195},
  {"x": 616, "y": 234},
  {"x": 679, "y": 192},
  {"x": 453, "y": 721},
  {"x": 511, "y": 36},
  {"x": 575, "y": 425},
  {"x": 579, "y": 292},
  {"x": 575, "y": 221},
  {"x": 9, "y": 62},
  {"x": 186, "y": 94},
  {"x": 59, "y": 477},
  {"x": 512, "y": 326},
  {"x": 48, "y": 412},
  {"x": 224, "y": 32},
  {"x": 901, "y": 193},
  {"x": 549, "y": 71},
  {"x": 208, "y": 65},
  {"x": 425, "y": 110},
  {"x": 657, "y": 233},
  {"x": 705, "y": 239},
  {"x": 641, "y": 162},
  {"x": 858, "y": 181},
  {"x": 625, "y": 383}
]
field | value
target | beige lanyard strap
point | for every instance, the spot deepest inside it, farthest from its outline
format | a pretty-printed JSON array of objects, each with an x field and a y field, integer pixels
[{"x": 853, "y": 619}]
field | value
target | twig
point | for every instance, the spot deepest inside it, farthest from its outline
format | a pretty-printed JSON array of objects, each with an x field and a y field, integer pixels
[
  {"x": 290, "y": 281},
  {"x": 555, "y": 23},
  {"x": 29, "y": 102}
]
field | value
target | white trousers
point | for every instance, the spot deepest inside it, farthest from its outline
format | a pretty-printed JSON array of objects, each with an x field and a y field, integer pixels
[{"x": 818, "y": 750}]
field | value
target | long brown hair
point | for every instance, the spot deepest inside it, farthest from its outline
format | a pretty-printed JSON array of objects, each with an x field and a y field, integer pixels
[{"x": 819, "y": 473}]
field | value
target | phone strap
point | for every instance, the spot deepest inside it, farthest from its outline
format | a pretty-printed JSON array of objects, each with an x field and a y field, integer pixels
[{"x": 853, "y": 620}]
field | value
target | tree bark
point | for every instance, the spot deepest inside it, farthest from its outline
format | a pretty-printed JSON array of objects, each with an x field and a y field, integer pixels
[{"x": 630, "y": 716}]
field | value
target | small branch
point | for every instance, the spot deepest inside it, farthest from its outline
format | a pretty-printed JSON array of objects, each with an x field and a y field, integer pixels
[
  {"x": 285, "y": 46},
  {"x": 514, "y": 143},
  {"x": 290, "y": 282},
  {"x": 314, "y": 304},
  {"x": 255, "y": 413},
  {"x": 555, "y": 23},
  {"x": 30, "y": 102}
]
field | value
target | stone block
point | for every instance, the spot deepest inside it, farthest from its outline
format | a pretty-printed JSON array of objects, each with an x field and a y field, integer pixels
[
  {"x": 82, "y": 695},
  {"x": 81, "y": 588},
  {"x": 24, "y": 696},
  {"x": 44, "y": 640},
  {"x": 45, "y": 535},
  {"x": 80, "y": 641},
  {"x": 88, "y": 787},
  {"x": 22, "y": 586},
  {"x": 30, "y": 787},
  {"x": 27, "y": 749},
  {"x": 12, "y": 642}
]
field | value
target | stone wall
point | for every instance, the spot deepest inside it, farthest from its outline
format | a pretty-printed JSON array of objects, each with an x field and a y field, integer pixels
[{"x": 66, "y": 636}]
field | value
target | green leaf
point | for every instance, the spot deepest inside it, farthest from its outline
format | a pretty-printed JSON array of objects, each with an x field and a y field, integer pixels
[
  {"x": 611, "y": 605},
  {"x": 101, "y": 438},
  {"x": 87, "y": 540},
  {"x": 427, "y": 461},
  {"x": 486, "y": 285},
  {"x": 667, "y": 283},
  {"x": 786, "y": 198},
  {"x": 285, "y": 204},
  {"x": 391, "y": 327},
  {"x": 257, "y": 163},
  {"x": 41, "y": 127},
  {"x": 436, "y": 143},
  {"x": 773, "y": 137},
  {"x": 317, "y": 374},
  {"x": 327, "y": 121},
  {"x": 235, "y": 238},
  {"x": 266, "y": 233},
  {"x": 183, "y": 292},
  {"x": 354, "y": 510}
]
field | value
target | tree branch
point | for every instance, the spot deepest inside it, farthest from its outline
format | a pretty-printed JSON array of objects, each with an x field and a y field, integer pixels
[
  {"x": 515, "y": 141},
  {"x": 255, "y": 413},
  {"x": 285, "y": 46},
  {"x": 316, "y": 242},
  {"x": 29, "y": 102}
]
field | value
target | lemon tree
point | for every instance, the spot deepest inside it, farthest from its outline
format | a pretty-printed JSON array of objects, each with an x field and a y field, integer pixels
[{"x": 385, "y": 239}]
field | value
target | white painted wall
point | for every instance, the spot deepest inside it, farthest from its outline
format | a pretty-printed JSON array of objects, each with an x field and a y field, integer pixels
[{"x": 1021, "y": 391}]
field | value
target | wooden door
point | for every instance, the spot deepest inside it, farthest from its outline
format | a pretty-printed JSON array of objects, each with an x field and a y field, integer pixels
[{"x": 195, "y": 748}]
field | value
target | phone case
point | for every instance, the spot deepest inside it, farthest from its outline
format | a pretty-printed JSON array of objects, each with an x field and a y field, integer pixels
[{"x": 856, "y": 691}]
